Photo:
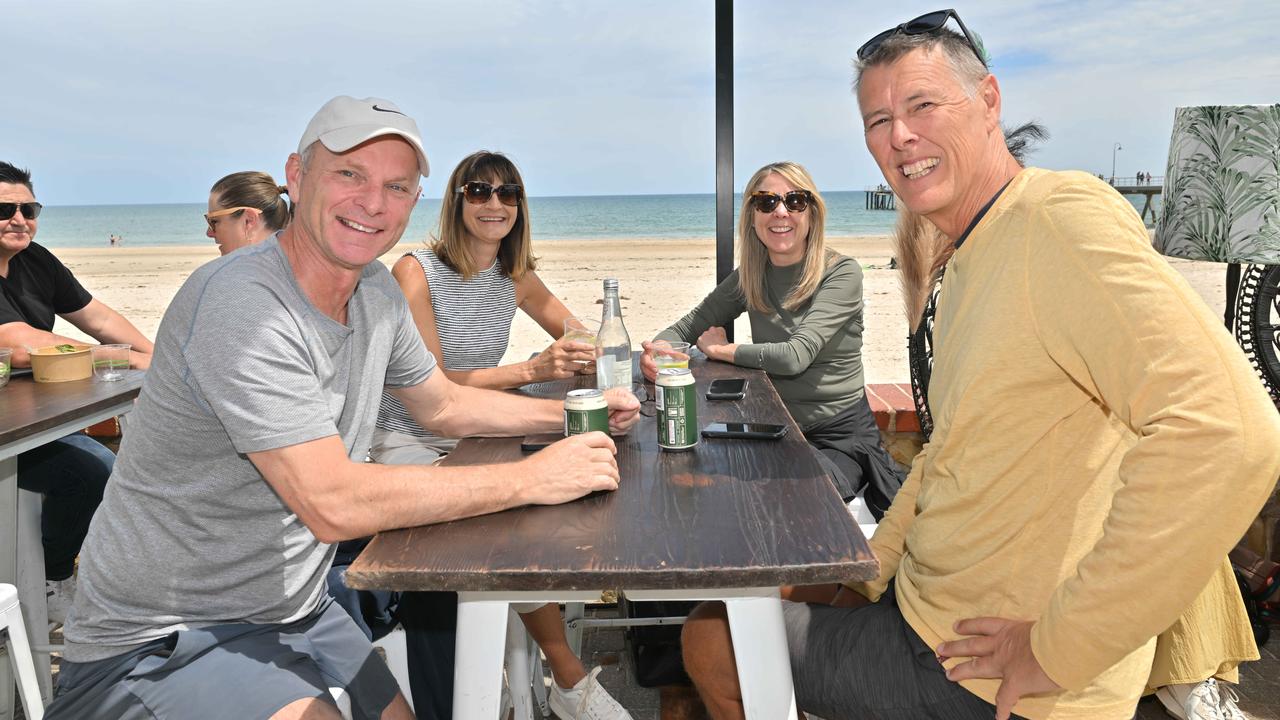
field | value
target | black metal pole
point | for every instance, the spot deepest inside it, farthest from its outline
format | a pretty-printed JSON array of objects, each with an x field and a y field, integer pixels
[
  {"x": 1233, "y": 291},
  {"x": 724, "y": 143}
]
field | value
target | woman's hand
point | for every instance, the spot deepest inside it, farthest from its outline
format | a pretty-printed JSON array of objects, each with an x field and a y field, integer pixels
[
  {"x": 715, "y": 344},
  {"x": 648, "y": 367},
  {"x": 562, "y": 359}
]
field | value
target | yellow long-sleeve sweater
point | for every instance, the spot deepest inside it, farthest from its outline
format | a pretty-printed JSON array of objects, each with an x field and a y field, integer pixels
[{"x": 1100, "y": 443}]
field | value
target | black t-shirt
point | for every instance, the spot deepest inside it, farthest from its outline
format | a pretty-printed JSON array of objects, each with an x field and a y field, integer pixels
[{"x": 38, "y": 287}]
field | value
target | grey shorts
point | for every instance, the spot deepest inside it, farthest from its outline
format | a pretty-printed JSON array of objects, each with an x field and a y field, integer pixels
[
  {"x": 230, "y": 671},
  {"x": 867, "y": 663}
]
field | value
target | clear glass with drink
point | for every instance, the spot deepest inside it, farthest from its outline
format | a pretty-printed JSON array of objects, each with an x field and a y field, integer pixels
[
  {"x": 110, "y": 361},
  {"x": 669, "y": 354},
  {"x": 584, "y": 330}
]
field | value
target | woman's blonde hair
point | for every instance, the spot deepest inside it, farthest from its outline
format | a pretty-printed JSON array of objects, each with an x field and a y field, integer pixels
[
  {"x": 515, "y": 254},
  {"x": 753, "y": 256}
]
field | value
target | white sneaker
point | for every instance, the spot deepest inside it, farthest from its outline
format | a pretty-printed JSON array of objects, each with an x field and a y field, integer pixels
[
  {"x": 587, "y": 700},
  {"x": 59, "y": 594},
  {"x": 1196, "y": 701},
  {"x": 1227, "y": 699}
]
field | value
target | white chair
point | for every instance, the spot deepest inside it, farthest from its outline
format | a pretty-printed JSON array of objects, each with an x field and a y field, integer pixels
[
  {"x": 862, "y": 516},
  {"x": 20, "y": 652},
  {"x": 396, "y": 651}
]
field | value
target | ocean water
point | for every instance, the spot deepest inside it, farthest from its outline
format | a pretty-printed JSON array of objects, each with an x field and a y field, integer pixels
[{"x": 616, "y": 216}]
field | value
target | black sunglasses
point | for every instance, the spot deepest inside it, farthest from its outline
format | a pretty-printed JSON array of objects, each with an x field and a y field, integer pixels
[
  {"x": 797, "y": 201},
  {"x": 30, "y": 210},
  {"x": 477, "y": 192},
  {"x": 927, "y": 23}
]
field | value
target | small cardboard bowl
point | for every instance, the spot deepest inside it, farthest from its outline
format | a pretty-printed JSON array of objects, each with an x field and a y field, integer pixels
[{"x": 48, "y": 365}]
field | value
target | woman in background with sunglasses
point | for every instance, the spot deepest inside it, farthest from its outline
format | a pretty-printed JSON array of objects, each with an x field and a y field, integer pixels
[
  {"x": 246, "y": 208},
  {"x": 805, "y": 306},
  {"x": 463, "y": 292}
]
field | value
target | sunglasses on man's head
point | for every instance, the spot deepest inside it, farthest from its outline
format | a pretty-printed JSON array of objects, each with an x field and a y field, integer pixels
[
  {"x": 478, "y": 192},
  {"x": 30, "y": 210},
  {"x": 797, "y": 201},
  {"x": 923, "y": 25}
]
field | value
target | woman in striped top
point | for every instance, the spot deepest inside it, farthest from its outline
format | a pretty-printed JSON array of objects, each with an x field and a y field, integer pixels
[{"x": 463, "y": 293}]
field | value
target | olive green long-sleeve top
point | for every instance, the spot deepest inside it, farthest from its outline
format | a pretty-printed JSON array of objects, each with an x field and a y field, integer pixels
[
  {"x": 1100, "y": 443},
  {"x": 813, "y": 354}
]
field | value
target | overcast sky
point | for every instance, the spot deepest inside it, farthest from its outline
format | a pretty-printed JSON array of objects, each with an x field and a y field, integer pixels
[{"x": 142, "y": 101}]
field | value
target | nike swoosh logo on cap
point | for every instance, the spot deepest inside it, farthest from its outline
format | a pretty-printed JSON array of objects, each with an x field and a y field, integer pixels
[{"x": 375, "y": 107}]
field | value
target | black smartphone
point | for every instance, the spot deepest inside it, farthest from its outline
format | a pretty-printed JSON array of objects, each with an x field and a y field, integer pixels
[
  {"x": 534, "y": 443},
  {"x": 727, "y": 389},
  {"x": 748, "y": 430}
]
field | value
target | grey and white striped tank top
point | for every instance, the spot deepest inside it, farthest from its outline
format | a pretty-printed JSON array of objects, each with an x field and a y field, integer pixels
[{"x": 473, "y": 319}]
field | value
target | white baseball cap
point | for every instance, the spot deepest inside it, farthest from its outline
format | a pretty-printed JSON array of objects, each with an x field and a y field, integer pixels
[{"x": 344, "y": 122}]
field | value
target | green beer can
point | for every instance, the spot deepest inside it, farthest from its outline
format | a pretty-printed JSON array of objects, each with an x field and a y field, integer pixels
[
  {"x": 677, "y": 409},
  {"x": 585, "y": 410}
]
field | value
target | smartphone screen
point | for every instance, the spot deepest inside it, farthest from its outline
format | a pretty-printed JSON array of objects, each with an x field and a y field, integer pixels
[
  {"x": 726, "y": 388},
  {"x": 750, "y": 430}
]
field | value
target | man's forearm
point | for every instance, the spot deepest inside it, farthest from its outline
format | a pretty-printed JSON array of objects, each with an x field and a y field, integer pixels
[
  {"x": 492, "y": 413},
  {"x": 119, "y": 330},
  {"x": 20, "y": 336},
  {"x": 395, "y": 496}
]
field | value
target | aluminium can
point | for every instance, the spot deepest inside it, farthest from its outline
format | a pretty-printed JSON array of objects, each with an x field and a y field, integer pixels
[
  {"x": 677, "y": 409},
  {"x": 585, "y": 410}
]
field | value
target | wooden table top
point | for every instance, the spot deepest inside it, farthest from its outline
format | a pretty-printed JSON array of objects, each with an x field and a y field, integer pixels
[
  {"x": 730, "y": 513},
  {"x": 28, "y": 407}
]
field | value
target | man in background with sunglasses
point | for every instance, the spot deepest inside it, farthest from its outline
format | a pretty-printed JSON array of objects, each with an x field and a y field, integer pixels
[
  {"x": 1087, "y": 404},
  {"x": 35, "y": 287}
]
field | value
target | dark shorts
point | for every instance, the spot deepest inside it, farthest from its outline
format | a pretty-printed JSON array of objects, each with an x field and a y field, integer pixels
[
  {"x": 851, "y": 451},
  {"x": 868, "y": 664},
  {"x": 231, "y": 671}
]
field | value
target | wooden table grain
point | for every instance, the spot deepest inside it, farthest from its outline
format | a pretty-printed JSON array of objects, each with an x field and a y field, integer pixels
[{"x": 728, "y": 519}]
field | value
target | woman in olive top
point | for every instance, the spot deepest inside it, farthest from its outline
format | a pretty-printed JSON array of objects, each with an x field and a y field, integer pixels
[{"x": 805, "y": 306}]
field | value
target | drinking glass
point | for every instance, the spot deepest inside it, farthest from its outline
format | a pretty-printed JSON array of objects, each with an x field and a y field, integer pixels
[
  {"x": 670, "y": 354},
  {"x": 580, "y": 329},
  {"x": 110, "y": 361}
]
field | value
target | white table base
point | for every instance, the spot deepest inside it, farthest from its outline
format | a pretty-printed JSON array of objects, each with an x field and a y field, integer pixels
[
  {"x": 755, "y": 622},
  {"x": 30, "y": 593}
]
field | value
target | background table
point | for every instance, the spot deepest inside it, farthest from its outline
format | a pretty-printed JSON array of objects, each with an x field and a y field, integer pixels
[
  {"x": 32, "y": 414},
  {"x": 730, "y": 520}
]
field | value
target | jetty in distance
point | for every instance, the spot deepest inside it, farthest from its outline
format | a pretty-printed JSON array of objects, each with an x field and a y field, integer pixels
[{"x": 881, "y": 197}]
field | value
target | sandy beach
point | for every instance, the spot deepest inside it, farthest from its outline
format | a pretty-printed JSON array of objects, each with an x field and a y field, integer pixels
[{"x": 660, "y": 280}]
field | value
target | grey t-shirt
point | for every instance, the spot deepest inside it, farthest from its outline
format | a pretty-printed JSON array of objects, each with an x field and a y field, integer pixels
[{"x": 189, "y": 533}]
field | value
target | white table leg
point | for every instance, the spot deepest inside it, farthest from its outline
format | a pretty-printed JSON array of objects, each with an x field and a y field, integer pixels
[
  {"x": 30, "y": 584},
  {"x": 477, "y": 672},
  {"x": 518, "y": 667},
  {"x": 760, "y": 646}
]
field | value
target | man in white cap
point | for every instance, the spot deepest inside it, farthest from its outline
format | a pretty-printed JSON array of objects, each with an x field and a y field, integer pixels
[{"x": 202, "y": 583}]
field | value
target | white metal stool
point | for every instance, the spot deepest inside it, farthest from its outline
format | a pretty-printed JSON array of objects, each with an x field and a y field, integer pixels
[
  {"x": 397, "y": 654},
  {"x": 20, "y": 652}
]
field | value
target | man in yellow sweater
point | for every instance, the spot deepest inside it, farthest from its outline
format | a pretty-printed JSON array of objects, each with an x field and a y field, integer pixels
[{"x": 1086, "y": 403}]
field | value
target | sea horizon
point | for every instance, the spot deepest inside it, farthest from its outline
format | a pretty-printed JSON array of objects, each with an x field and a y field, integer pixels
[{"x": 553, "y": 217}]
